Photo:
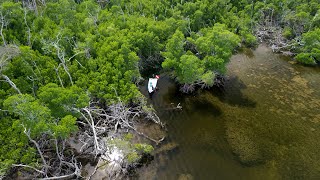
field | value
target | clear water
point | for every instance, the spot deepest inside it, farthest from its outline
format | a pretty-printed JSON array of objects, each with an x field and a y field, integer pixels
[{"x": 263, "y": 125}]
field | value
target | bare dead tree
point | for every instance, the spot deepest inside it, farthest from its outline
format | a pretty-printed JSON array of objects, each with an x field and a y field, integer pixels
[
  {"x": 91, "y": 122},
  {"x": 99, "y": 123},
  {"x": 27, "y": 133},
  {"x": 32, "y": 5},
  {"x": 103, "y": 3},
  {"x": 12, "y": 84},
  {"x": 61, "y": 54},
  {"x": 3, "y": 24},
  {"x": 42, "y": 2},
  {"x": 54, "y": 165},
  {"x": 28, "y": 28},
  {"x": 6, "y": 54},
  {"x": 95, "y": 17}
]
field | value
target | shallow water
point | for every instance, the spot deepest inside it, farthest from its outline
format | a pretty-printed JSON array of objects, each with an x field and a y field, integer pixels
[{"x": 263, "y": 125}]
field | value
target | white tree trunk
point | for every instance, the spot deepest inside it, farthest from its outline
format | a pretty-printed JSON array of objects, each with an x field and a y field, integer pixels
[
  {"x": 11, "y": 83},
  {"x": 3, "y": 23}
]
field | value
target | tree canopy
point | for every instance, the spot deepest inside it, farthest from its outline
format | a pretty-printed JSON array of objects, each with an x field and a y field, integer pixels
[{"x": 58, "y": 55}]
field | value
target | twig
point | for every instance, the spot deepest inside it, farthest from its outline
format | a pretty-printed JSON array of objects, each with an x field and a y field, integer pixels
[{"x": 27, "y": 166}]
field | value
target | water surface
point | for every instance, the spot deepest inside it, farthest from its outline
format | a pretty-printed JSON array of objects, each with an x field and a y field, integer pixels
[{"x": 264, "y": 124}]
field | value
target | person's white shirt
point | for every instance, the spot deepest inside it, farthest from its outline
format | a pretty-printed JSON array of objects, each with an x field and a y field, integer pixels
[{"x": 152, "y": 84}]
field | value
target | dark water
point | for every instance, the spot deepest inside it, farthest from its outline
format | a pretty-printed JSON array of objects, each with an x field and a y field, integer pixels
[{"x": 263, "y": 125}]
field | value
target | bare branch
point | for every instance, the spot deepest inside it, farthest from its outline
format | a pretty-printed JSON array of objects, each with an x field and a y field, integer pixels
[
  {"x": 12, "y": 84},
  {"x": 27, "y": 166},
  {"x": 60, "y": 177},
  {"x": 4, "y": 22},
  {"x": 28, "y": 28},
  {"x": 27, "y": 133}
]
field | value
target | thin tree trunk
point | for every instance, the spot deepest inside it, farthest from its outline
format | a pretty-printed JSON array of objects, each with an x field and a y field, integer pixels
[
  {"x": 29, "y": 30},
  {"x": 1, "y": 30},
  {"x": 57, "y": 72},
  {"x": 37, "y": 146},
  {"x": 11, "y": 83},
  {"x": 93, "y": 130},
  {"x": 67, "y": 71}
]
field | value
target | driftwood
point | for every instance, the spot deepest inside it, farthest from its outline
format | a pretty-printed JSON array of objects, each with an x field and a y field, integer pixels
[{"x": 173, "y": 107}]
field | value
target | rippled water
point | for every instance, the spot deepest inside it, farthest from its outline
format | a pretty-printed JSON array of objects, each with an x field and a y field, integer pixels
[{"x": 263, "y": 125}]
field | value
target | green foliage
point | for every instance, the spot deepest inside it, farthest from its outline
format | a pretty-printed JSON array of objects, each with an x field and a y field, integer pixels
[
  {"x": 65, "y": 127},
  {"x": 62, "y": 101},
  {"x": 217, "y": 41},
  {"x": 213, "y": 48},
  {"x": 104, "y": 47},
  {"x": 32, "y": 117},
  {"x": 133, "y": 157},
  {"x": 174, "y": 50},
  {"x": 30, "y": 112},
  {"x": 287, "y": 33},
  {"x": 249, "y": 39},
  {"x": 128, "y": 136},
  {"x": 305, "y": 58},
  {"x": 13, "y": 16},
  {"x": 145, "y": 148},
  {"x": 311, "y": 49},
  {"x": 14, "y": 145}
]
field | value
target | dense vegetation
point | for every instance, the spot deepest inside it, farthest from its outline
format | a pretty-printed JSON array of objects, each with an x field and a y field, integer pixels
[{"x": 58, "y": 55}]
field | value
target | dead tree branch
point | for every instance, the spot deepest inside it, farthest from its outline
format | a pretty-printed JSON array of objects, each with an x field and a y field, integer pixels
[
  {"x": 27, "y": 166},
  {"x": 3, "y": 23},
  {"x": 27, "y": 133},
  {"x": 12, "y": 84}
]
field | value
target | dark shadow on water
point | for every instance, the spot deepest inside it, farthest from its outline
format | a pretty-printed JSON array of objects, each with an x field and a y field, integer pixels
[
  {"x": 205, "y": 107},
  {"x": 231, "y": 93},
  {"x": 189, "y": 102}
]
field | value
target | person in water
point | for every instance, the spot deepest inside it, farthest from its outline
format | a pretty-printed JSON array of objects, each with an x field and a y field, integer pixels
[{"x": 154, "y": 88}]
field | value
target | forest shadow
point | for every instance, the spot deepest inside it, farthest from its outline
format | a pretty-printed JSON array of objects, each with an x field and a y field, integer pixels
[
  {"x": 190, "y": 102},
  {"x": 231, "y": 93},
  {"x": 204, "y": 107}
]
